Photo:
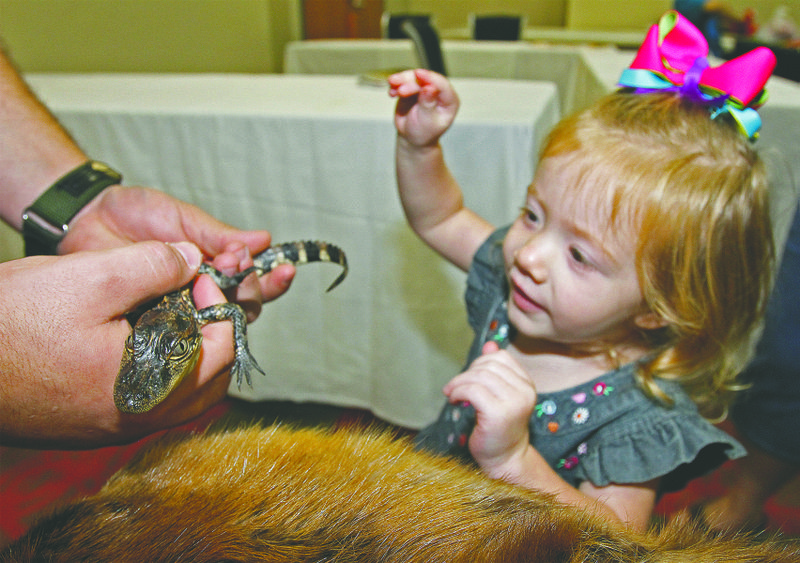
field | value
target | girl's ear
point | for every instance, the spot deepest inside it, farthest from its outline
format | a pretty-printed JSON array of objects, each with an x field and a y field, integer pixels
[{"x": 650, "y": 321}]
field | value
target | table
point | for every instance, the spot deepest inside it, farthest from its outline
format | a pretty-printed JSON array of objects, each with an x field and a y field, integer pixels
[
  {"x": 561, "y": 64},
  {"x": 560, "y": 35},
  {"x": 313, "y": 157},
  {"x": 582, "y": 74}
]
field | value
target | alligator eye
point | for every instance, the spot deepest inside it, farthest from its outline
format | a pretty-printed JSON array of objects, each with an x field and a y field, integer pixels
[{"x": 181, "y": 348}]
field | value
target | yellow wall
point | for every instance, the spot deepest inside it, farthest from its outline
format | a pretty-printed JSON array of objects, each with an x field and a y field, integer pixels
[
  {"x": 149, "y": 35},
  {"x": 640, "y": 14},
  {"x": 574, "y": 14},
  {"x": 451, "y": 14},
  {"x": 250, "y": 35}
]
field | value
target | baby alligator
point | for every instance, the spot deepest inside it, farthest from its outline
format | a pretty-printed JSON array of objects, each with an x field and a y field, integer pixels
[{"x": 165, "y": 343}]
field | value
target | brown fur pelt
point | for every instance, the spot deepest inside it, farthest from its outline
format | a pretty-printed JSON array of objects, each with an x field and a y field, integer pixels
[{"x": 294, "y": 495}]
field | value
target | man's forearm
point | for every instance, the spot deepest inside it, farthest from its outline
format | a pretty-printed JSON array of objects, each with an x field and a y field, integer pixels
[{"x": 36, "y": 150}]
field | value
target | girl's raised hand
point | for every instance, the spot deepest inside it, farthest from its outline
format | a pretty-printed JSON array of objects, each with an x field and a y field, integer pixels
[
  {"x": 504, "y": 397},
  {"x": 426, "y": 105}
]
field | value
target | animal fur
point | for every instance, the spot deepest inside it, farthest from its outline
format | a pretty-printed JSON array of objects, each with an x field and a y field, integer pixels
[{"x": 284, "y": 495}]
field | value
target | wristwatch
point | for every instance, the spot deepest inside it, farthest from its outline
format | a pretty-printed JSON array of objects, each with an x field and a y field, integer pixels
[{"x": 46, "y": 222}]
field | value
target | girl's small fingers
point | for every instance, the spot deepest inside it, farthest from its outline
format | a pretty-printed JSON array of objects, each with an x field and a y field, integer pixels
[
  {"x": 494, "y": 384},
  {"x": 500, "y": 360},
  {"x": 401, "y": 77},
  {"x": 503, "y": 387},
  {"x": 476, "y": 395}
]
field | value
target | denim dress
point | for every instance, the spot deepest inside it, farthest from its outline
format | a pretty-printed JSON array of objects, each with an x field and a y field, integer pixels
[{"x": 603, "y": 431}]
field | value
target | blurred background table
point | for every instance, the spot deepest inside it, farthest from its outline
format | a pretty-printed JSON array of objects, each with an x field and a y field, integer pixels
[
  {"x": 565, "y": 36},
  {"x": 560, "y": 64},
  {"x": 312, "y": 157}
]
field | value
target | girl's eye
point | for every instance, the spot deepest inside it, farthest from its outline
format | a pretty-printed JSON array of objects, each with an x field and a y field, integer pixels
[
  {"x": 530, "y": 216},
  {"x": 579, "y": 257}
]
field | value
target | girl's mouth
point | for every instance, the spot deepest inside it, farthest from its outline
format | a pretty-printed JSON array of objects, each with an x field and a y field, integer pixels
[{"x": 523, "y": 301}]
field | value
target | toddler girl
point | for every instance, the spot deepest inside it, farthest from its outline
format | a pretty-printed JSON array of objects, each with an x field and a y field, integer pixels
[{"x": 617, "y": 309}]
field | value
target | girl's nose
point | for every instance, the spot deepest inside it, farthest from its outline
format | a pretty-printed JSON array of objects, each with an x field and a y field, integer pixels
[{"x": 533, "y": 257}]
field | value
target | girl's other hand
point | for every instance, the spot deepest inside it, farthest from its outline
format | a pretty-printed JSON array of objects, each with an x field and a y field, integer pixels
[{"x": 426, "y": 105}]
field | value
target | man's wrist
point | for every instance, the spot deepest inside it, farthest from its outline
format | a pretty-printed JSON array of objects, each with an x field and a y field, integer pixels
[{"x": 46, "y": 222}]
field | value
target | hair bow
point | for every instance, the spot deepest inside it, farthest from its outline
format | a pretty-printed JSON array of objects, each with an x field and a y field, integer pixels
[{"x": 673, "y": 58}]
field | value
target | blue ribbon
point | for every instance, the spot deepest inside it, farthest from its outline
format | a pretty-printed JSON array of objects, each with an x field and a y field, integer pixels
[{"x": 647, "y": 82}]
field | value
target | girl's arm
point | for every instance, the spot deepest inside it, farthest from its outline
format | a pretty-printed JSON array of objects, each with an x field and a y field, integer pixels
[
  {"x": 431, "y": 197},
  {"x": 631, "y": 504}
]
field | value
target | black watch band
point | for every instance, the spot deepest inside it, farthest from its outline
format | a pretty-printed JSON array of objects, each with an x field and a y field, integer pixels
[{"x": 46, "y": 222}]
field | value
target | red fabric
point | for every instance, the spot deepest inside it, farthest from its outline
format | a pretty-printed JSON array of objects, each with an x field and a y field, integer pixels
[
  {"x": 782, "y": 513},
  {"x": 34, "y": 482}
]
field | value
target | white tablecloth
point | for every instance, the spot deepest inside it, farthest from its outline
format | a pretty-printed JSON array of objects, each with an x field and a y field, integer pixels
[
  {"x": 560, "y": 64},
  {"x": 313, "y": 157}
]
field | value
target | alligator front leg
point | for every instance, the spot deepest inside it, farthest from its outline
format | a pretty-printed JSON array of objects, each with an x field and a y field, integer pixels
[{"x": 244, "y": 360}]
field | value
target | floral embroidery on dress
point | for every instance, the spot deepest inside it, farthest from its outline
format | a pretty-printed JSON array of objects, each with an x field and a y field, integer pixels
[
  {"x": 580, "y": 415},
  {"x": 501, "y": 334},
  {"x": 601, "y": 389},
  {"x": 497, "y": 331},
  {"x": 579, "y": 398},
  {"x": 572, "y": 461},
  {"x": 552, "y": 426},
  {"x": 568, "y": 462},
  {"x": 547, "y": 407}
]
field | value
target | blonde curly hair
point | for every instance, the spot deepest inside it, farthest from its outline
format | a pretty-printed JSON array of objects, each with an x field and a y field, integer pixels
[{"x": 696, "y": 192}]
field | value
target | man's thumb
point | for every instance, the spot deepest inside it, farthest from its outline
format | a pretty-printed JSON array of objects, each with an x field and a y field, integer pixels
[
  {"x": 189, "y": 252},
  {"x": 148, "y": 270}
]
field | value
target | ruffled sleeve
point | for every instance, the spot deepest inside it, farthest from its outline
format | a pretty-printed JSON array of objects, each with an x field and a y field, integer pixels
[{"x": 674, "y": 443}]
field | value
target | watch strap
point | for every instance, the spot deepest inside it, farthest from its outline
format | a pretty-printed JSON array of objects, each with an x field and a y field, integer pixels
[{"x": 46, "y": 221}]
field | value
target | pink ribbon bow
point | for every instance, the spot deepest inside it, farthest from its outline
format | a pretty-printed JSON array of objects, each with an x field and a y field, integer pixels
[{"x": 673, "y": 57}]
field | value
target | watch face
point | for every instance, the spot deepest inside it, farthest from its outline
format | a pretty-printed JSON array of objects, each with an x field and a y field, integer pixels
[
  {"x": 85, "y": 178},
  {"x": 75, "y": 186}
]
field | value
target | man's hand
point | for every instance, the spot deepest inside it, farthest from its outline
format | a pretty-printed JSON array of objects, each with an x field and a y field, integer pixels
[
  {"x": 62, "y": 338},
  {"x": 121, "y": 216}
]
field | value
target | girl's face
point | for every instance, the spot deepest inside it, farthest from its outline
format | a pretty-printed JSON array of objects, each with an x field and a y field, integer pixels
[{"x": 573, "y": 279}]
